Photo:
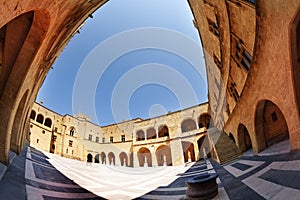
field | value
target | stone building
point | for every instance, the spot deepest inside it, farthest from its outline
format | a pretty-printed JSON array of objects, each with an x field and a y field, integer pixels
[
  {"x": 172, "y": 139},
  {"x": 251, "y": 49}
]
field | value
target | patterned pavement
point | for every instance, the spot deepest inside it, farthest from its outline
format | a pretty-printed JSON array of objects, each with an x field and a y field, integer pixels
[{"x": 38, "y": 175}]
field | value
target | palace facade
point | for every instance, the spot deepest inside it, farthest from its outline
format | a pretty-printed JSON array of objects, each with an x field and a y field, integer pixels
[{"x": 172, "y": 139}]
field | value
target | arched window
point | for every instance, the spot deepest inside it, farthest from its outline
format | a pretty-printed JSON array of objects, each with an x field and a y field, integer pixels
[
  {"x": 204, "y": 120},
  {"x": 72, "y": 131},
  {"x": 151, "y": 133},
  {"x": 48, "y": 123},
  {"x": 40, "y": 118},
  {"x": 163, "y": 131},
  {"x": 32, "y": 114},
  {"x": 188, "y": 125},
  {"x": 140, "y": 135}
]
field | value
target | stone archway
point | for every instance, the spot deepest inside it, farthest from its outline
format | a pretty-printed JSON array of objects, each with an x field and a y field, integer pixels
[
  {"x": 204, "y": 120},
  {"x": 20, "y": 40},
  {"x": 103, "y": 158},
  {"x": 89, "y": 158},
  {"x": 270, "y": 125},
  {"x": 144, "y": 157},
  {"x": 163, "y": 156},
  {"x": 188, "y": 151},
  {"x": 244, "y": 140},
  {"x": 97, "y": 158},
  {"x": 111, "y": 158},
  {"x": 123, "y": 159}
]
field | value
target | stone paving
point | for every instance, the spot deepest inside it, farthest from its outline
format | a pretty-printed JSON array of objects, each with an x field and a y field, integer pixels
[{"x": 39, "y": 175}]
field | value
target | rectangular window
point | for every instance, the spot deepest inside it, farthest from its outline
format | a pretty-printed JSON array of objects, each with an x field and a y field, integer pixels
[
  {"x": 90, "y": 137},
  {"x": 43, "y": 132},
  {"x": 37, "y": 141},
  {"x": 70, "y": 143},
  {"x": 111, "y": 139},
  {"x": 97, "y": 139},
  {"x": 241, "y": 56},
  {"x": 123, "y": 138},
  {"x": 213, "y": 27},
  {"x": 233, "y": 91},
  {"x": 274, "y": 117},
  {"x": 54, "y": 137},
  {"x": 103, "y": 140}
]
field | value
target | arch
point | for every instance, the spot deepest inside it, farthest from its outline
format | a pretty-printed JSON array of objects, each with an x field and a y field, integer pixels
[
  {"x": 244, "y": 140},
  {"x": 48, "y": 122},
  {"x": 163, "y": 155},
  {"x": 40, "y": 119},
  {"x": 144, "y": 157},
  {"x": 97, "y": 158},
  {"x": 295, "y": 54},
  {"x": 103, "y": 158},
  {"x": 188, "y": 125},
  {"x": 111, "y": 158},
  {"x": 204, "y": 120},
  {"x": 20, "y": 40},
  {"x": 17, "y": 133},
  {"x": 32, "y": 115},
  {"x": 188, "y": 151},
  {"x": 151, "y": 133},
  {"x": 270, "y": 124},
  {"x": 89, "y": 158},
  {"x": 123, "y": 159},
  {"x": 140, "y": 135},
  {"x": 163, "y": 131}
]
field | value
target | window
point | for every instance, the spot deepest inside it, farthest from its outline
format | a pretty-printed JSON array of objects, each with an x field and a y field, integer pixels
[
  {"x": 90, "y": 137},
  {"x": 240, "y": 54},
  {"x": 123, "y": 138},
  {"x": 274, "y": 117},
  {"x": 213, "y": 27},
  {"x": 233, "y": 91},
  {"x": 43, "y": 131},
  {"x": 140, "y": 135},
  {"x": 66, "y": 150},
  {"x": 72, "y": 152},
  {"x": 217, "y": 62},
  {"x": 48, "y": 123},
  {"x": 72, "y": 132},
  {"x": 70, "y": 143},
  {"x": 32, "y": 114},
  {"x": 54, "y": 137},
  {"x": 40, "y": 119},
  {"x": 97, "y": 139},
  {"x": 37, "y": 141},
  {"x": 55, "y": 129},
  {"x": 31, "y": 125},
  {"x": 111, "y": 139},
  {"x": 188, "y": 125},
  {"x": 103, "y": 140}
]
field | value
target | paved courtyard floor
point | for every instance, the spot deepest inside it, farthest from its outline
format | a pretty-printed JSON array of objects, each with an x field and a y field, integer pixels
[{"x": 39, "y": 175}]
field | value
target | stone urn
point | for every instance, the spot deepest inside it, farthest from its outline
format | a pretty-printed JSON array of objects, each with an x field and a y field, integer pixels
[{"x": 202, "y": 186}]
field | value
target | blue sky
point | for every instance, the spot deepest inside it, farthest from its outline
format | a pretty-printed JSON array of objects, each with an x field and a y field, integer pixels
[{"x": 125, "y": 75}]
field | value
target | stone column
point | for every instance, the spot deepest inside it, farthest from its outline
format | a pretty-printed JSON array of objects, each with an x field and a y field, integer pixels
[
  {"x": 176, "y": 152},
  {"x": 153, "y": 156}
]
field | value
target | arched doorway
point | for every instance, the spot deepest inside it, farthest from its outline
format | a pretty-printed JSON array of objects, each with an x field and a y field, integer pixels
[
  {"x": 89, "y": 158},
  {"x": 270, "y": 124},
  {"x": 204, "y": 120},
  {"x": 111, "y": 158},
  {"x": 103, "y": 158},
  {"x": 144, "y": 157},
  {"x": 163, "y": 156},
  {"x": 97, "y": 160},
  {"x": 244, "y": 139},
  {"x": 295, "y": 51},
  {"x": 140, "y": 135},
  {"x": 188, "y": 151},
  {"x": 123, "y": 159}
]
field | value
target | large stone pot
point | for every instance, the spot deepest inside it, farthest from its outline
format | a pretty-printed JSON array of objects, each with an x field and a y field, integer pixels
[{"x": 202, "y": 186}]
